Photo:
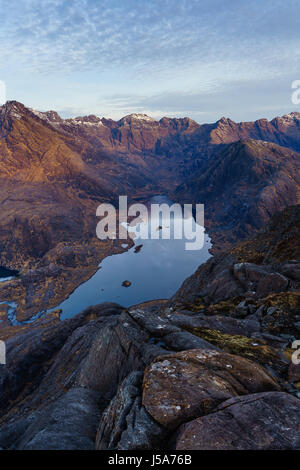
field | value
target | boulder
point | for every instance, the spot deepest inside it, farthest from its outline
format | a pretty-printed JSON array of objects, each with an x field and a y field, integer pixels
[
  {"x": 262, "y": 421},
  {"x": 259, "y": 279},
  {"x": 291, "y": 270},
  {"x": 272, "y": 283},
  {"x": 185, "y": 385}
]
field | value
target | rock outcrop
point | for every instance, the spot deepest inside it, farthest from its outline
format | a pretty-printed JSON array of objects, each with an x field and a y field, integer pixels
[
  {"x": 180, "y": 386},
  {"x": 113, "y": 378},
  {"x": 263, "y": 421}
]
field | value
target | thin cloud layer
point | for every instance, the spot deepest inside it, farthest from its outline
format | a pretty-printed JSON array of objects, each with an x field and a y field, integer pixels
[{"x": 179, "y": 47}]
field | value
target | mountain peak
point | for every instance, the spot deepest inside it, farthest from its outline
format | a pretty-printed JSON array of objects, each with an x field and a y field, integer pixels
[
  {"x": 137, "y": 117},
  {"x": 50, "y": 116},
  {"x": 291, "y": 116},
  {"x": 13, "y": 109},
  {"x": 90, "y": 120},
  {"x": 225, "y": 120}
]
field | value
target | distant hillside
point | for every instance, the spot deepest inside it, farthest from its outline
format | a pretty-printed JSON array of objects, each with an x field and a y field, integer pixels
[{"x": 242, "y": 187}]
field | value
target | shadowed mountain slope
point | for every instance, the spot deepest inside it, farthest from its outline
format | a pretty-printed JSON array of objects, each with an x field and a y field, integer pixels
[{"x": 243, "y": 186}]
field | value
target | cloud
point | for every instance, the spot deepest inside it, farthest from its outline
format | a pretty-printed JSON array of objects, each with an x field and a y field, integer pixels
[
  {"x": 56, "y": 36},
  {"x": 175, "y": 57},
  {"x": 256, "y": 98},
  {"x": 240, "y": 100}
]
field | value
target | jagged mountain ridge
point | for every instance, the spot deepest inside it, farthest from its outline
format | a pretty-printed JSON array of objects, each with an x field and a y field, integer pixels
[
  {"x": 104, "y": 158},
  {"x": 135, "y": 132},
  {"x": 185, "y": 141},
  {"x": 98, "y": 159},
  {"x": 283, "y": 130}
]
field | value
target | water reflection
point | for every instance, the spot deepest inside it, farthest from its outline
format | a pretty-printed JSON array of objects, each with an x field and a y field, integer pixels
[{"x": 155, "y": 270}]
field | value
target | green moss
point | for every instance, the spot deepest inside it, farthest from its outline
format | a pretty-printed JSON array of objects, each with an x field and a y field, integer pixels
[
  {"x": 196, "y": 306},
  {"x": 289, "y": 301},
  {"x": 225, "y": 307},
  {"x": 249, "y": 348}
]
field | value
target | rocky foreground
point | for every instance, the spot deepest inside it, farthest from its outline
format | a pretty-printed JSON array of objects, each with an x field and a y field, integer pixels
[{"x": 210, "y": 368}]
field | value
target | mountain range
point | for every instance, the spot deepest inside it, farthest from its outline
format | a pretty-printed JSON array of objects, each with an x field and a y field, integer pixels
[
  {"x": 66, "y": 166},
  {"x": 201, "y": 370},
  {"x": 54, "y": 173}
]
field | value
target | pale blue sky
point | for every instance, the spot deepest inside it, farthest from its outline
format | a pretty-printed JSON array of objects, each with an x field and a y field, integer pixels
[{"x": 197, "y": 58}]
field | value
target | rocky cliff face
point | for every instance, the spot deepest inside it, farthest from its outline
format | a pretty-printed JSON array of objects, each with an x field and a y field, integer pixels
[{"x": 198, "y": 371}]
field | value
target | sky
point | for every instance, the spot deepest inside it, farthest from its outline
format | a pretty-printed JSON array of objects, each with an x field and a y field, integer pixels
[{"x": 198, "y": 58}]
